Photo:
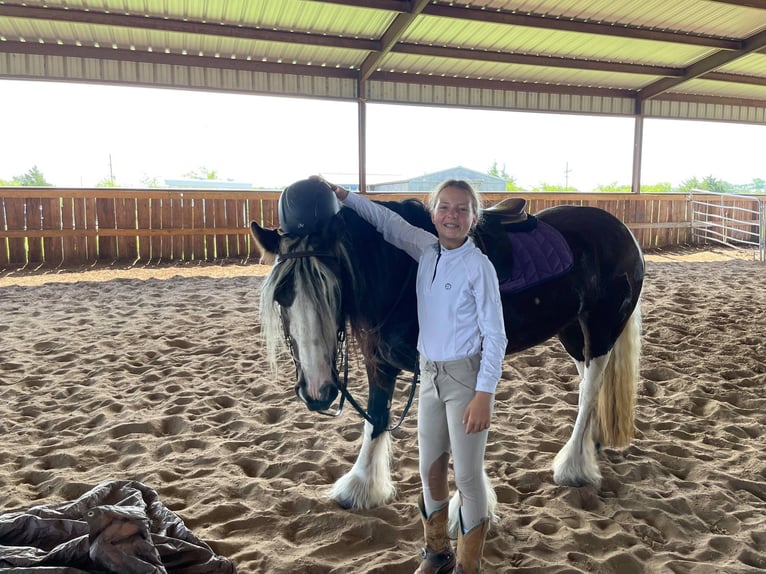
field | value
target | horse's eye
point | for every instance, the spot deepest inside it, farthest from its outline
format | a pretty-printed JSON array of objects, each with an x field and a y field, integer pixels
[{"x": 284, "y": 294}]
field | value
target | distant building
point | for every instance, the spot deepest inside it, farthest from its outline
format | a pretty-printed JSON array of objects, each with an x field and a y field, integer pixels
[
  {"x": 479, "y": 181},
  {"x": 206, "y": 184}
]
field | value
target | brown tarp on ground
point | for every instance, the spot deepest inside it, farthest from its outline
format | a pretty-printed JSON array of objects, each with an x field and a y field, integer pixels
[{"x": 130, "y": 532}]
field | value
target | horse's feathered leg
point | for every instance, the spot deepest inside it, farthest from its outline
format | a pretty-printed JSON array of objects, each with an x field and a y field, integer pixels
[
  {"x": 368, "y": 484},
  {"x": 576, "y": 464}
]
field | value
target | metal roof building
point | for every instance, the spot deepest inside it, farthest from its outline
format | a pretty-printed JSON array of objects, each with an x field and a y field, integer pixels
[
  {"x": 427, "y": 182},
  {"x": 687, "y": 59}
]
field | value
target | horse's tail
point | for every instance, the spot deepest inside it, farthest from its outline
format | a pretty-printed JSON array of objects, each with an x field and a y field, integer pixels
[{"x": 616, "y": 410}]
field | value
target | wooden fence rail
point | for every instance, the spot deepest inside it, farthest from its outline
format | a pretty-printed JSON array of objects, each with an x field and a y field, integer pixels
[{"x": 70, "y": 227}]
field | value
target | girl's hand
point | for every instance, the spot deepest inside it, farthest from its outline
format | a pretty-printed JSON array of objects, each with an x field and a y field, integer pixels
[
  {"x": 477, "y": 415},
  {"x": 340, "y": 192}
]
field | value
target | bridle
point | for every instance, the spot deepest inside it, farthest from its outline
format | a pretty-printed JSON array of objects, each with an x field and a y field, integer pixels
[{"x": 341, "y": 354}]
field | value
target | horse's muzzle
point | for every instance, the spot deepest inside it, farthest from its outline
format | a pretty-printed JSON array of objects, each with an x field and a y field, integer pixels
[{"x": 329, "y": 394}]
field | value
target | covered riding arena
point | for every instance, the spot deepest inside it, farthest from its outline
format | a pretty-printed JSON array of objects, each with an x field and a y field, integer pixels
[{"x": 129, "y": 326}]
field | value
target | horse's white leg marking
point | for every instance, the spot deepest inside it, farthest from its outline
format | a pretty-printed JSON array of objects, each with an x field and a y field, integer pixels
[
  {"x": 576, "y": 463},
  {"x": 368, "y": 484},
  {"x": 580, "y": 368},
  {"x": 454, "y": 508}
]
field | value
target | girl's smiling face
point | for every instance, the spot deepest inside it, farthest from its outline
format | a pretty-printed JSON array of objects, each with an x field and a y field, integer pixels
[{"x": 453, "y": 216}]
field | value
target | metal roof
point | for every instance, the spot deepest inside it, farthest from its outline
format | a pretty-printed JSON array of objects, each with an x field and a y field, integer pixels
[{"x": 698, "y": 59}]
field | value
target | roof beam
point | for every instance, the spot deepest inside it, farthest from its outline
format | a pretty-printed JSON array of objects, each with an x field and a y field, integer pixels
[
  {"x": 533, "y": 60},
  {"x": 716, "y": 60},
  {"x": 388, "y": 5},
  {"x": 390, "y": 37},
  {"x": 142, "y": 56},
  {"x": 735, "y": 78},
  {"x": 473, "y": 83},
  {"x": 578, "y": 25},
  {"x": 760, "y": 4},
  {"x": 184, "y": 27}
]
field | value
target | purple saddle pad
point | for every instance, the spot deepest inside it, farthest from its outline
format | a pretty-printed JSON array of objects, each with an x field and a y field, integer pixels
[{"x": 537, "y": 256}]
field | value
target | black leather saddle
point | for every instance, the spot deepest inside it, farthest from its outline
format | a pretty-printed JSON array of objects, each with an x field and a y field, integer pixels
[{"x": 507, "y": 212}]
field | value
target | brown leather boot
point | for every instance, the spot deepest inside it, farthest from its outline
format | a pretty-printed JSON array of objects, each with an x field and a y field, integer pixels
[
  {"x": 438, "y": 556},
  {"x": 470, "y": 547}
]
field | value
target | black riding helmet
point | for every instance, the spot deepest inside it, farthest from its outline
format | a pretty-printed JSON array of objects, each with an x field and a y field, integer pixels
[{"x": 305, "y": 205}]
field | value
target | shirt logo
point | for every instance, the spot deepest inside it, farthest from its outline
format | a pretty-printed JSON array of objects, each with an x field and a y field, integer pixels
[{"x": 448, "y": 286}]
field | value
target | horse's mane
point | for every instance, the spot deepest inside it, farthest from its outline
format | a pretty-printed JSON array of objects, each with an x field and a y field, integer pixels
[
  {"x": 383, "y": 313},
  {"x": 374, "y": 283},
  {"x": 318, "y": 283}
]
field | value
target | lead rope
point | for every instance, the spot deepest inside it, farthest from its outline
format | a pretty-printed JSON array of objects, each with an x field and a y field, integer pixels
[{"x": 345, "y": 394}]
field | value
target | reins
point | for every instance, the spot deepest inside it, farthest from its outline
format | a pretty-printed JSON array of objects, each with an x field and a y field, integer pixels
[{"x": 342, "y": 351}]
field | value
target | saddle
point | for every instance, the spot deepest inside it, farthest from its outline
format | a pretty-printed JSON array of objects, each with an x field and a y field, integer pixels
[
  {"x": 507, "y": 211},
  {"x": 491, "y": 234}
]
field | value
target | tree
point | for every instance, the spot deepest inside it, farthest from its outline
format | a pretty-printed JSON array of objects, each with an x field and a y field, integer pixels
[
  {"x": 510, "y": 181},
  {"x": 148, "y": 181},
  {"x": 662, "y": 187},
  {"x": 33, "y": 178},
  {"x": 551, "y": 187},
  {"x": 107, "y": 182},
  {"x": 709, "y": 183},
  {"x": 202, "y": 173},
  {"x": 613, "y": 187}
]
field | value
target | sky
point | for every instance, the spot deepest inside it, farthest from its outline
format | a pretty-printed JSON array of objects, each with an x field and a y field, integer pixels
[{"x": 80, "y": 134}]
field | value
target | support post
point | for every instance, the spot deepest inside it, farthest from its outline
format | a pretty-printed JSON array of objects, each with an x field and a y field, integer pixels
[
  {"x": 362, "y": 135},
  {"x": 638, "y": 143}
]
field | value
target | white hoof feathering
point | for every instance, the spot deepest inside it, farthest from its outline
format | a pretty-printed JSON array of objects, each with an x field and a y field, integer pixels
[
  {"x": 577, "y": 466},
  {"x": 368, "y": 484}
]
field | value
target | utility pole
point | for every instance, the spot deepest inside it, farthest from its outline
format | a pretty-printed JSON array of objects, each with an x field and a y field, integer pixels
[
  {"x": 567, "y": 171},
  {"x": 111, "y": 172}
]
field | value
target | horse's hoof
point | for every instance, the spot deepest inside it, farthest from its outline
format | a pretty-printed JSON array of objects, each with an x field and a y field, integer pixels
[{"x": 345, "y": 503}]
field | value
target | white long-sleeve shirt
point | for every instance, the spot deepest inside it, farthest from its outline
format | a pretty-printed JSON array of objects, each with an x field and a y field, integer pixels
[{"x": 459, "y": 308}]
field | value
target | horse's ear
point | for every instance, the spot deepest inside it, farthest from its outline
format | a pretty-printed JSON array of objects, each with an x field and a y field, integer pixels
[{"x": 267, "y": 241}]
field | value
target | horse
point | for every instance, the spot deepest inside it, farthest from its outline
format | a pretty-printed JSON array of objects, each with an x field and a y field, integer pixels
[{"x": 334, "y": 269}]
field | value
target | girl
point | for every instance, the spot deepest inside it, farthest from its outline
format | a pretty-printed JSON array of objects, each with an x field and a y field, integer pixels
[{"x": 461, "y": 344}]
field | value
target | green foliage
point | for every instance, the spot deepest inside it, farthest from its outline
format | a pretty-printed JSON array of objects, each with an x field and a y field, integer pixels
[
  {"x": 510, "y": 181},
  {"x": 152, "y": 182},
  {"x": 202, "y": 173},
  {"x": 551, "y": 187},
  {"x": 709, "y": 183},
  {"x": 613, "y": 187},
  {"x": 33, "y": 178},
  {"x": 107, "y": 182},
  {"x": 758, "y": 185},
  {"x": 662, "y": 187}
]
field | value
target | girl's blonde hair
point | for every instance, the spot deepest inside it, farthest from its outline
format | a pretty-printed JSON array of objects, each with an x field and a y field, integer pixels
[{"x": 473, "y": 195}]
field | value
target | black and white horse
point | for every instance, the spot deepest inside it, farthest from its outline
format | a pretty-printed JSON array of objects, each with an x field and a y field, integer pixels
[{"x": 343, "y": 273}]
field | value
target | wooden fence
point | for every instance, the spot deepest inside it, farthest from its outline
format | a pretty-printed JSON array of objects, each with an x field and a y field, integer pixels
[{"x": 59, "y": 227}]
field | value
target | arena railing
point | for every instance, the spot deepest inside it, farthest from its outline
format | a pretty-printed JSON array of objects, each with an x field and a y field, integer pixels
[
  {"x": 730, "y": 219},
  {"x": 69, "y": 228}
]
